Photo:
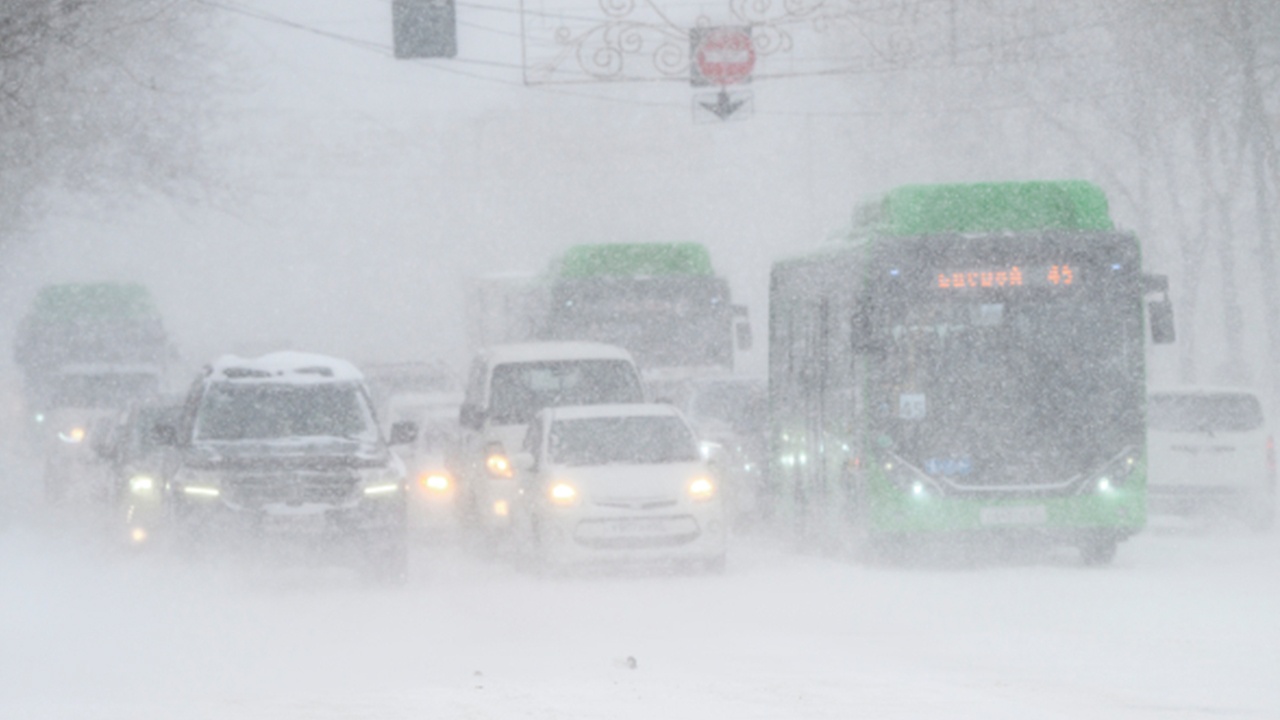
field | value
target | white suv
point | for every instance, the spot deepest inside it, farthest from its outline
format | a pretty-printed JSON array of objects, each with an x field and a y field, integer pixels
[{"x": 1210, "y": 452}]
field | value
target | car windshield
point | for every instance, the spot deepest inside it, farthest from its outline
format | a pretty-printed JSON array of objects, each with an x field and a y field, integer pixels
[
  {"x": 633, "y": 440},
  {"x": 520, "y": 390},
  {"x": 266, "y": 411},
  {"x": 1225, "y": 412}
]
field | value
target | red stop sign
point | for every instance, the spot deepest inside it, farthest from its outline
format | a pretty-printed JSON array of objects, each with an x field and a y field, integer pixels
[{"x": 724, "y": 55}]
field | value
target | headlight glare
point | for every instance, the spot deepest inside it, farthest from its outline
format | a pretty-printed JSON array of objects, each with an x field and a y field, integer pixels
[
  {"x": 562, "y": 493},
  {"x": 702, "y": 488}
]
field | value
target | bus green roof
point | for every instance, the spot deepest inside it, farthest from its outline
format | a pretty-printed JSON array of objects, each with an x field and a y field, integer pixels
[
  {"x": 993, "y": 207},
  {"x": 646, "y": 259},
  {"x": 77, "y": 301}
]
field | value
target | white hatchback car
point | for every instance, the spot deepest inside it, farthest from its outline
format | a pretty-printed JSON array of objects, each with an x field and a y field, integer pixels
[
  {"x": 618, "y": 484},
  {"x": 1210, "y": 452}
]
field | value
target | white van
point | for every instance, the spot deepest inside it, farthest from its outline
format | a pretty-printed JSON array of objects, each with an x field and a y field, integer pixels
[
  {"x": 1210, "y": 452},
  {"x": 506, "y": 387}
]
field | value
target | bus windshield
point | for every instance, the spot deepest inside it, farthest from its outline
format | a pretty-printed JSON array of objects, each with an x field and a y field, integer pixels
[
  {"x": 1020, "y": 389},
  {"x": 682, "y": 321}
]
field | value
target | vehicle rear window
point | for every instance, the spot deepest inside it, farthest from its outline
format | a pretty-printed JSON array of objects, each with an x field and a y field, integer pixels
[
  {"x": 520, "y": 390},
  {"x": 1224, "y": 412}
]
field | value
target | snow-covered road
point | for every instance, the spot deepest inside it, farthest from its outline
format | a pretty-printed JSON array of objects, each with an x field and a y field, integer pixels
[{"x": 1186, "y": 624}]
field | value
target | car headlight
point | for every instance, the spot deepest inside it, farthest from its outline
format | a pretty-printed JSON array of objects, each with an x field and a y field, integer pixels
[
  {"x": 562, "y": 493},
  {"x": 436, "y": 481},
  {"x": 383, "y": 482},
  {"x": 498, "y": 464},
  {"x": 701, "y": 488},
  {"x": 198, "y": 485},
  {"x": 201, "y": 491},
  {"x": 72, "y": 436},
  {"x": 142, "y": 484}
]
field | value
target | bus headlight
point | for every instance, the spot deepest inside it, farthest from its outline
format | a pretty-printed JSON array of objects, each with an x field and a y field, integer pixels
[
  {"x": 909, "y": 479},
  {"x": 1113, "y": 476}
]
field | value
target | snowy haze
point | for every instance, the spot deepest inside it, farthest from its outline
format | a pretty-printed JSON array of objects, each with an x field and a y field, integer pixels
[
  {"x": 349, "y": 194},
  {"x": 344, "y": 197}
]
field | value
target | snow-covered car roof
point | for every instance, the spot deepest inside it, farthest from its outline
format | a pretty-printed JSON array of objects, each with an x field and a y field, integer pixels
[
  {"x": 583, "y": 412},
  {"x": 551, "y": 351},
  {"x": 284, "y": 367}
]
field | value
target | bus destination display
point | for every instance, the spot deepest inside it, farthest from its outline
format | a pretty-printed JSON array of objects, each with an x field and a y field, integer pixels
[{"x": 1011, "y": 276}]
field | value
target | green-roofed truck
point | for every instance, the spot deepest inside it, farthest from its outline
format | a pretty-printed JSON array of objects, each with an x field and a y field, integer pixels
[
  {"x": 663, "y": 302},
  {"x": 86, "y": 351},
  {"x": 968, "y": 363}
]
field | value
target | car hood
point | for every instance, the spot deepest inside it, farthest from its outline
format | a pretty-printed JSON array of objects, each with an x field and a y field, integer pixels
[
  {"x": 291, "y": 454},
  {"x": 630, "y": 482}
]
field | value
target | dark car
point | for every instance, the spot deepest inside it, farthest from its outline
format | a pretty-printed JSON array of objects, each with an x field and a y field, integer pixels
[{"x": 283, "y": 452}]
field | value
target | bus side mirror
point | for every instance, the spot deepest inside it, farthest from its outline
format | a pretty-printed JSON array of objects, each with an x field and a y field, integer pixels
[
  {"x": 865, "y": 339},
  {"x": 1160, "y": 313}
]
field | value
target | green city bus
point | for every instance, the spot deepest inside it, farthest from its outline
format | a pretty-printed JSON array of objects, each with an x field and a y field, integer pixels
[
  {"x": 969, "y": 362},
  {"x": 661, "y": 301}
]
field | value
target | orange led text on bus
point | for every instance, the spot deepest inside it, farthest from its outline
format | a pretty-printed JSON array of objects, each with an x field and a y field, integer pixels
[{"x": 1013, "y": 277}]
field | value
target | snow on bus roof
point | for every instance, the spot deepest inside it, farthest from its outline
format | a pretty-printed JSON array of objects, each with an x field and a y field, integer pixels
[
  {"x": 550, "y": 351},
  {"x": 286, "y": 366}
]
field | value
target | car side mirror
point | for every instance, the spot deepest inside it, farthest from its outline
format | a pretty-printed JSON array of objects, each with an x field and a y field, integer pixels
[
  {"x": 524, "y": 461},
  {"x": 403, "y": 433},
  {"x": 471, "y": 417},
  {"x": 164, "y": 435},
  {"x": 1160, "y": 313},
  {"x": 710, "y": 451},
  {"x": 104, "y": 449}
]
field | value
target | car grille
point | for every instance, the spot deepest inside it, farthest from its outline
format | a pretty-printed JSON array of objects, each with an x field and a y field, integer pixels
[
  {"x": 629, "y": 504},
  {"x": 255, "y": 491}
]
